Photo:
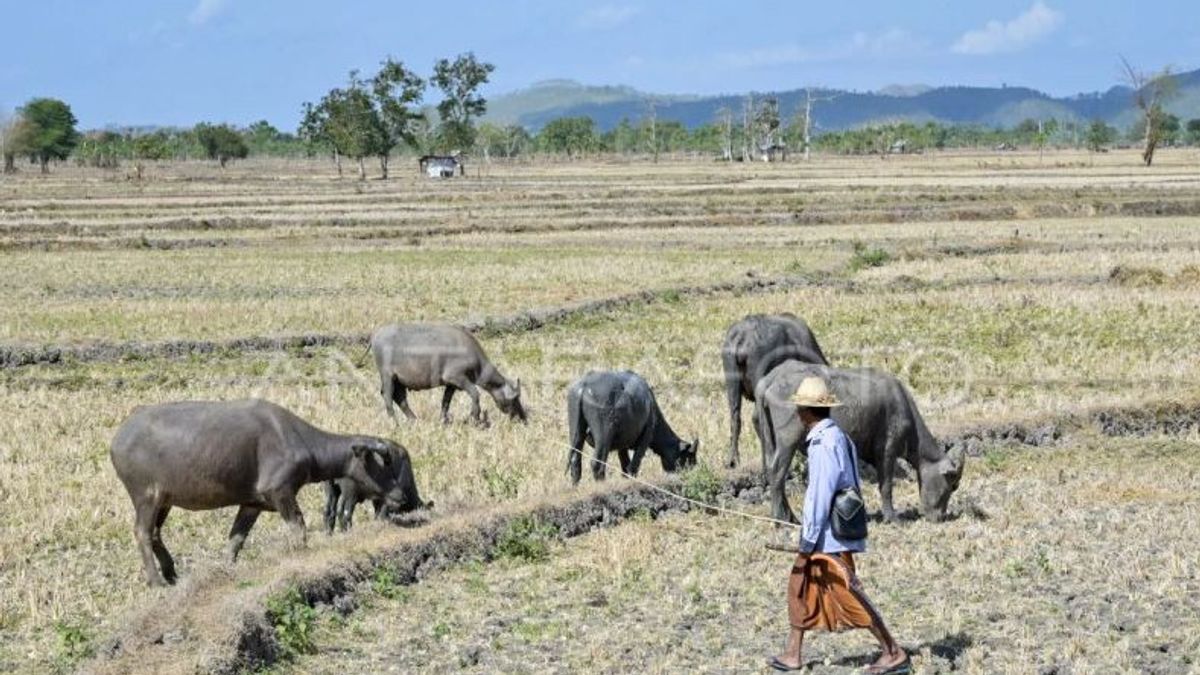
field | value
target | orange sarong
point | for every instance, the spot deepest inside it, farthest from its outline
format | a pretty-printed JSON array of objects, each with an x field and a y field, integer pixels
[{"x": 825, "y": 594}]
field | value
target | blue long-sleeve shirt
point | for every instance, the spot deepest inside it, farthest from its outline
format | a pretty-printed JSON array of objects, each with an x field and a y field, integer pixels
[{"x": 832, "y": 465}]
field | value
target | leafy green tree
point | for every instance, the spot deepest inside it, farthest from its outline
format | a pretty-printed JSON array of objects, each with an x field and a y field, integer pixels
[
  {"x": 50, "y": 133},
  {"x": 572, "y": 136},
  {"x": 15, "y": 139},
  {"x": 397, "y": 94},
  {"x": 1170, "y": 128},
  {"x": 150, "y": 147},
  {"x": 1099, "y": 135},
  {"x": 1193, "y": 131},
  {"x": 502, "y": 141},
  {"x": 460, "y": 81},
  {"x": 221, "y": 142},
  {"x": 347, "y": 121},
  {"x": 101, "y": 149},
  {"x": 707, "y": 138}
]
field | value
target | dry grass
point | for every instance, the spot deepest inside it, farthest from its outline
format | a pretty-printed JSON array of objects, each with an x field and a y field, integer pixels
[
  {"x": 1060, "y": 561},
  {"x": 987, "y": 320}
]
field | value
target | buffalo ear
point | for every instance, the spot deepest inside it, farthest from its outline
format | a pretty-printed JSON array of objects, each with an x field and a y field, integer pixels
[
  {"x": 360, "y": 451},
  {"x": 695, "y": 446}
]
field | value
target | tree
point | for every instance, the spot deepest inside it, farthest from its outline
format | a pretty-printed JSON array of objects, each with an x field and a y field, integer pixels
[
  {"x": 15, "y": 139},
  {"x": 152, "y": 147},
  {"x": 1193, "y": 131},
  {"x": 766, "y": 124},
  {"x": 1150, "y": 94},
  {"x": 397, "y": 93},
  {"x": 347, "y": 121},
  {"x": 1169, "y": 129},
  {"x": 572, "y": 136},
  {"x": 507, "y": 141},
  {"x": 460, "y": 81},
  {"x": 1099, "y": 135},
  {"x": 221, "y": 142},
  {"x": 725, "y": 120},
  {"x": 314, "y": 131},
  {"x": 49, "y": 132},
  {"x": 809, "y": 100}
]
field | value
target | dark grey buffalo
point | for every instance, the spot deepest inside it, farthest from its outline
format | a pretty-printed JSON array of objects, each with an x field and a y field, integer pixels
[
  {"x": 613, "y": 410},
  {"x": 423, "y": 356},
  {"x": 752, "y": 347},
  {"x": 342, "y": 495},
  {"x": 255, "y": 455},
  {"x": 881, "y": 418}
]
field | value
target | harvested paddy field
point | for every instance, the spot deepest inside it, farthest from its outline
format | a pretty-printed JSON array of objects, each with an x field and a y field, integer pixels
[{"x": 1002, "y": 290}]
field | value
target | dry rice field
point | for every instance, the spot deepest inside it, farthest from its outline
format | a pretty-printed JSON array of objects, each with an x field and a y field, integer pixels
[{"x": 1001, "y": 288}]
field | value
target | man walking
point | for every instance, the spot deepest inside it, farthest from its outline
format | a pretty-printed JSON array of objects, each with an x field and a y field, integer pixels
[{"x": 823, "y": 591}]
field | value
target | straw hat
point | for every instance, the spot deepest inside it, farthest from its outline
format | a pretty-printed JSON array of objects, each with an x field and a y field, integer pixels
[{"x": 814, "y": 393}]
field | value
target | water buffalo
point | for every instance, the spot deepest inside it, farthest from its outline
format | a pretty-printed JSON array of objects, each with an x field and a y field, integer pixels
[
  {"x": 255, "y": 455},
  {"x": 752, "y": 347},
  {"x": 881, "y": 418},
  {"x": 342, "y": 495},
  {"x": 423, "y": 356},
  {"x": 617, "y": 411}
]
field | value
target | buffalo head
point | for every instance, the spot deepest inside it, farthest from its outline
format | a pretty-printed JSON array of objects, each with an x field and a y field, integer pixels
[
  {"x": 938, "y": 480},
  {"x": 508, "y": 399},
  {"x": 382, "y": 469}
]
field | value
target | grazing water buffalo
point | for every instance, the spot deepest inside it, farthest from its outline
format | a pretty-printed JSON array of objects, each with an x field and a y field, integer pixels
[
  {"x": 752, "y": 347},
  {"x": 255, "y": 455},
  {"x": 424, "y": 356},
  {"x": 342, "y": 495},
  {"x": 617, "y": 411},
  {"x": 878, "y": 414}
]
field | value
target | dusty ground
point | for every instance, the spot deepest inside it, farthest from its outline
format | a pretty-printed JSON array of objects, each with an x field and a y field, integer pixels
[
  {"x": 997, "y": 288},
  {"x": 1059, "y": 561}
]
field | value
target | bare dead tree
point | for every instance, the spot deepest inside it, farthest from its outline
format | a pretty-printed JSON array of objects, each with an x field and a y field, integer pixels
[
  {"x": 652, "y": 117},
  {"x": 1150, "y": 94},
  {"x": 809, "y": 100},
  {"x": 725, "y": 117},
  {"x": 747, "y": 128}
]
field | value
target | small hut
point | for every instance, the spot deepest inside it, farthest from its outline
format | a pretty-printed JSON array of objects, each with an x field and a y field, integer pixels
[
  {"x": 441, "y": 166},
  {"x": 772, "y": 152}
]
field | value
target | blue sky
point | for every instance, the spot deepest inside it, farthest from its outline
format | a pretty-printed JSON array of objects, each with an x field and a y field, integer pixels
[{"x": 183, "y": 61}]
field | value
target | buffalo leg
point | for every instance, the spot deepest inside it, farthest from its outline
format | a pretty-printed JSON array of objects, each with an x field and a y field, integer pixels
[
  {"x": 346, "y": 507},
  {"x": 599, "y": 464},
  {"x": 461, "y": 382},
  {"x": 624, "y": 457},
  {"x": 160, "y": 550},
  {"x": 635, "y": 464},
  {"x": 242, "y": 522},
  {"x": 886, "y": 479},
  {"x": 639, "y": 451},
  {"x": 780, "y": 467},
  {"x": 734, "y": 393},
  {"x": 400, "y": 394},
  {"x": 386, "y": 384},
  {"x": 146, "y": 513},
  {"x": 447, "y": 396},
  {"x": 290, "y": 511},
  {"x": 332, "y": 494}
]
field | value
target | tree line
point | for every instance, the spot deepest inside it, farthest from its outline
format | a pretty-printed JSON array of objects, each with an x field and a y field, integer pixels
[{"x": 383, "y": 115}]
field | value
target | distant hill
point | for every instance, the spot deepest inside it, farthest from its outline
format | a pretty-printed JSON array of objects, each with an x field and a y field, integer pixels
[{"x": 990, "y": 106}]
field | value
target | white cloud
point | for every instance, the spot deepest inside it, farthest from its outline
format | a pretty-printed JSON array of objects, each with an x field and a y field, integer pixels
[
  {"x": 205, "y": 10},
  {"x": 605, "y": 17},
  {"x": 1006, "y": 36},
  {"x": 891, "y": 43}
]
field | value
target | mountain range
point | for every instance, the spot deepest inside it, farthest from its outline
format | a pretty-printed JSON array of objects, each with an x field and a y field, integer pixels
[{"x": 1004, "y": 106}]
